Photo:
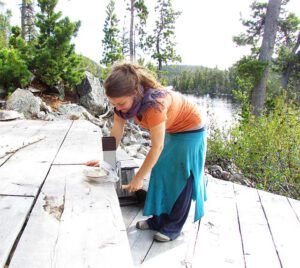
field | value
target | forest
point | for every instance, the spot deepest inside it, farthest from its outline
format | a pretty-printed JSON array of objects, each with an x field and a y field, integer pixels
[{"x": 264, "y": 146}]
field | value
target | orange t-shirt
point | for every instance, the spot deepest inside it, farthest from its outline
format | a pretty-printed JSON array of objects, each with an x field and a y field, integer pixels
[{"x": 179, "y": 114}]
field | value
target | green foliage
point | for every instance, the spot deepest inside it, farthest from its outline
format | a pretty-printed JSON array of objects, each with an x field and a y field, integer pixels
[
  {"x": 286, "y": 45},
  {"x": 55, "y": 61},
  {"x": 142, "y": 16},
  {"x": 266, "y": 149},
  {"x": 201, "y": 80},
  {"x": 13, "y": 70},
  {"x": 4, "y": 28},
  {"x": 162, "y": 41},
  {"x": 112, "y": 48},
  {"x": 18, "y": 43}
]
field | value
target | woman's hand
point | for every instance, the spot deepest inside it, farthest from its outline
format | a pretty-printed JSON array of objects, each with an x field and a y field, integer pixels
[
  {"x": 93, "y": 163},
  {"x": 135, "y": 185}
]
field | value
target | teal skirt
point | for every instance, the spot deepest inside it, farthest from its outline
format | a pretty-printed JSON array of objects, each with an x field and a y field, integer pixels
[{"x": 183, "y": 154}]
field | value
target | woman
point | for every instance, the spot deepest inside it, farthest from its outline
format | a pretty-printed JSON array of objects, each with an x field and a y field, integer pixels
[{"x": 178, "y": 145}]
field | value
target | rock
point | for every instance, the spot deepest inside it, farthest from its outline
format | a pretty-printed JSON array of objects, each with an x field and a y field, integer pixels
[
  {"x": 241, "y": 179},
  {"x": 41, "y": 115},
  {"x": 105, "y": 131},
  {"x": 225, "y": 175},
  {"x": 23, "y": 101},
  {"x": 140, "y": 156},
  {"x": 143, "y": 150},
  {"x": 133, "y": 149},
  {"x": 45, "y": 108},
  {"x": 60, "y": 90},
  {"x": 33, "y": 90},
  {"x": 91, "y": 95},
  {"x": 215, "y": 171},
  {"x": 71, "y": 111},
  {"x": 145, "y": 134},
  {"x": 6, "y": 115},
  {"x": 126, "y": 140}
]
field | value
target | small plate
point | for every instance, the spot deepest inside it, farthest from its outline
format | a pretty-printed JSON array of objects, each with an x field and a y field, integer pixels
[{"x": 95, "y": 174}]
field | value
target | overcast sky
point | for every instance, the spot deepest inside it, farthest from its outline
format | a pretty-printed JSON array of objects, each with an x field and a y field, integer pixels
[{"x": 204, "y": 31}]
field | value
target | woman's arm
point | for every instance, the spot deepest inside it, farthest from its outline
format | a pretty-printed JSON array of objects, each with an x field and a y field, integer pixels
[
  {"x": 118, "y": 128},
  {"x": 157, "y": 141}
]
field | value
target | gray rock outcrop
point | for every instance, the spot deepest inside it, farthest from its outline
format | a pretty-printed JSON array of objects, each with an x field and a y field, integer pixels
[
  {"x": 23, "y": 101},
  {"x": 91, "y": 95}
]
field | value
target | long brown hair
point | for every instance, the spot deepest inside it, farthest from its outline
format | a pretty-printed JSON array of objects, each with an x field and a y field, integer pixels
[{"x": 125, "y": 79}]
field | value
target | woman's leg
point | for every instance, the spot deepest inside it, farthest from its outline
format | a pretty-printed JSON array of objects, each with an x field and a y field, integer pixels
[{"x": 171, "y": 224}]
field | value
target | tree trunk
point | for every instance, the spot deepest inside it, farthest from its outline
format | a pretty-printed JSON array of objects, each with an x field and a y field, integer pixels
[
  {"x": 23, "y": 15},
  {"x": 265, "y": 56},
  {"x": 286, "y": 73},
  {"x": 131, "y": 41}
]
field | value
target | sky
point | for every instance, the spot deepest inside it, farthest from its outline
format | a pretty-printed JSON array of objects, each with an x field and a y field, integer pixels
[{"x": 204, "y": 30}]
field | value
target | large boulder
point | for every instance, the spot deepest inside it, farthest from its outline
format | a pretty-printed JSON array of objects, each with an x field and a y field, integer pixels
[
  {"x": 91, "y": 94},
  {"x": 23, "y": 101}
]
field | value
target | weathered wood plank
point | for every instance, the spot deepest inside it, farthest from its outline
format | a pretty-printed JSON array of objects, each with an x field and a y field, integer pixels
[
  {"x": 139, "y": 241},
  {"x": 177, "y": 253},
  {"x": 14, "y": 135},
  {"x": 25, "y": 171},
  {"x": 284, "y": 226},
  {"x": 254, "y": 228},
  {"x": 219, "y": 240},
  {"x": 13, "y": 213},
  {"x": 74, "y": 224},
  {"x": 83, "y": 143},
  {"x": 296, "y": 207},
  {"x": 6, "y": 126},
  {"x": 129, "y": 213}
]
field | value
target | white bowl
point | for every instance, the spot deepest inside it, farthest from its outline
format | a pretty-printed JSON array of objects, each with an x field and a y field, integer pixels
[{"x": 95, "y": 174}]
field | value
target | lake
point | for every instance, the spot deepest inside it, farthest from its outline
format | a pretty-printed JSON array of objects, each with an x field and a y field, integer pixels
[{"x": 221, "y": 112}]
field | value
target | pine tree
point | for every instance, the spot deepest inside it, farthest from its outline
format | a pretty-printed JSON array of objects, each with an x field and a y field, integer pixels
[
  {"x": 27, "y": 20},
  {"x": 163, "y": 40},
  {"x": 112, "y": 48},
  {"x": 4, "y": 25},
  {"x": 55, "y": 61},
  {"x": 138, "y": 20},
  {"x": 287, "y": 39}
]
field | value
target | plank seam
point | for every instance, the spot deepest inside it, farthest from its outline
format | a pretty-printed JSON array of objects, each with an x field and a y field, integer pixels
[
  {"x": 147, "y": 252},
  {"x": 33, "y": 203},
  {"x": 270, "y": 230},
  {"x": 17, "y": 195},
  {"x": 195, "y": 243},
  {"x": 239, "y": 223},
  {"x": 133, "y": 218},
  {"x": 293, "y": 209}
]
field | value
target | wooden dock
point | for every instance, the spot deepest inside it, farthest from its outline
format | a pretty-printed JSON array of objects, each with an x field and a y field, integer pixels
[
  {"x": 242, "y": 227},
  {"x": 51, "y": 217}
]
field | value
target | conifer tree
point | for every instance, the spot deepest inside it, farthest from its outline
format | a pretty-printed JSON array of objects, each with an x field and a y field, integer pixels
[
  {"x": 112, "y": 48},
  {"x": 4, "y": 25},
  {"x": 163, "y": 40},
  {"x": 137, "y": 34},
  {"x": 27, "y": 20},
  {"x": 55, "y": 61}
]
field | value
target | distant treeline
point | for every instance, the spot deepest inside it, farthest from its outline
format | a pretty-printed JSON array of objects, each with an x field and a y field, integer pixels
[{"x": 199, "y": 80}]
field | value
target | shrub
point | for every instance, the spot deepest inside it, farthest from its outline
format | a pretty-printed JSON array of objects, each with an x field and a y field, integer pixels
[
  {"x": 13, "y": 70},
  {"x": 266, "y": 149}
]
